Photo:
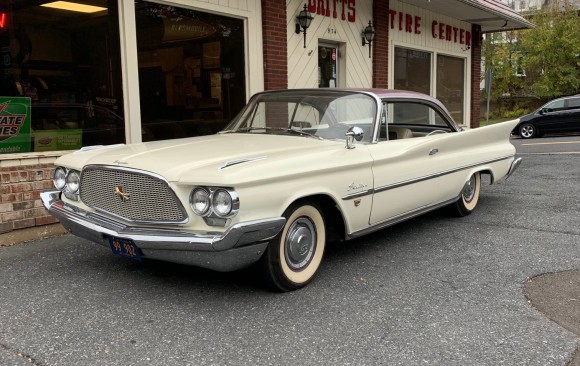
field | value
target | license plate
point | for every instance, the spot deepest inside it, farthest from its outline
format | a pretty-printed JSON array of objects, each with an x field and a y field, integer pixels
[{"x": 125, "y": 248}]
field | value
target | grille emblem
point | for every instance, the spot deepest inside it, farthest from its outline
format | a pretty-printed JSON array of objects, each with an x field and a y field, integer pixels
[{"x": 122, "y": 195}]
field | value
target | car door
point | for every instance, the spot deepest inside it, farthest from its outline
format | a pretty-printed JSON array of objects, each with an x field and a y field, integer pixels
[
  {"x": 552, "y": 117},
  {"x": 573, "y": 116},
  {"x": 408, "y": 167}
]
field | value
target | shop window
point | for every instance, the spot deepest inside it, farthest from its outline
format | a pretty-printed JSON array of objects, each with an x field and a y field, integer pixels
[
  {"x": 60, "y": 80},
  {"x": 191, "y": 70},
  {"x": 451, "y": 85},
  {"x": 412, "y": 70}
]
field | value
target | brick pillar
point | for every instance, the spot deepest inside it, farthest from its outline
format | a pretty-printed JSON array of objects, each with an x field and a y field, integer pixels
[
  {"x": 275, "y": 44},
  {"x": 381, "y": 44},
  {"x": 20, "y": 205},
  {"x": 475, "y": 76}
]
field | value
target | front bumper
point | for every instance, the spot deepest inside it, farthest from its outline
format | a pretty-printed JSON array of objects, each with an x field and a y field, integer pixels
[{"x": 236, "y": 248}]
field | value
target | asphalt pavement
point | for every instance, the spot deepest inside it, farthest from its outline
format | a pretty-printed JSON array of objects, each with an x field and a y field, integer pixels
[{"x": 435, "y": 290}]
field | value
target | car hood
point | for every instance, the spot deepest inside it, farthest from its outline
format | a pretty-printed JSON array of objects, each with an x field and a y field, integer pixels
[{"x": 207, "y": 158}]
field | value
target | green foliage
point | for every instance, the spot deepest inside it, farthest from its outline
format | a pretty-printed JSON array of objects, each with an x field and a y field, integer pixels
[
  {"x": 553, "y": 50},
  {"x": 549, "y": 54}
]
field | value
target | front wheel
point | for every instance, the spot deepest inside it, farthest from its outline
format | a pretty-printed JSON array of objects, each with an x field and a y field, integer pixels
[
  {"x": 527, "y": 130},
  {"x": 294, "y": 255},
  {"x": 469, "y": 196}
]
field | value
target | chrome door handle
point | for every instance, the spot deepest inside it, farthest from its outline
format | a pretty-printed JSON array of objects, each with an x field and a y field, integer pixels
[{"x": 433, "y": 151}]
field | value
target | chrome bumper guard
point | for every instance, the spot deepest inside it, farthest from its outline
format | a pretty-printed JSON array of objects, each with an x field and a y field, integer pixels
[
  {"x": 515, "y": 165},
  {"x": 236, "y": 248}
]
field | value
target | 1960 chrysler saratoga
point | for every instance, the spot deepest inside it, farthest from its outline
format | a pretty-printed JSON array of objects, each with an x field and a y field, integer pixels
[{"x": 294, "y": 170}]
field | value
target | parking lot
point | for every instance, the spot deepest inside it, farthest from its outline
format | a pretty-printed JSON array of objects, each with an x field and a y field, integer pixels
[{"x": 436, "y": 290}]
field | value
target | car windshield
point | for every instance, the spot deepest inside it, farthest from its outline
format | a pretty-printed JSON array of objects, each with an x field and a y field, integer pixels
[{"x": 320, "y": 114}]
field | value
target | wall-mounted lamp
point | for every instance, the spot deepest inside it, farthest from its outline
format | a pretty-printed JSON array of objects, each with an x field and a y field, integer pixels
[
  {"x": 368, "y": 35},
  {"x": 304, "y": 19}
]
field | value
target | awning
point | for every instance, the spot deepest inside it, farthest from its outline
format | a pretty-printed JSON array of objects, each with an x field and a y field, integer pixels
[{"x": 491, "y": 15}]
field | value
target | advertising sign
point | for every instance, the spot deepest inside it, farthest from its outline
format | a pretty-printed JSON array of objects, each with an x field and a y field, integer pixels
[
  {"x": 14, "y": 125},
  {"x": 54, "y": 140}
]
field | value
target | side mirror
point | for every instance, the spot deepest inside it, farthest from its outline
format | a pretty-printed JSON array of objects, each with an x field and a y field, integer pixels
[{"x": 353, "y": 133}]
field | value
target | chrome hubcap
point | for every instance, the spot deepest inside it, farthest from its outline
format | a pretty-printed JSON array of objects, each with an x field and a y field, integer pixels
[
  {"x": 469, "y": 189},
  {"x": 527, "y": 131},
  {"x": 300, "y": 243}
]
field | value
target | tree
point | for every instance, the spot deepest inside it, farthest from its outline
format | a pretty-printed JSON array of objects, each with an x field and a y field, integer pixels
[
  {"x": 501, "y": 52},
  {"x": 551, "y": 50}
]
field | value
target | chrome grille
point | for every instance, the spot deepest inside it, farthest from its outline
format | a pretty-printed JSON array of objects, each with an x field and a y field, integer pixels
[{"x": 150, "y": 200}]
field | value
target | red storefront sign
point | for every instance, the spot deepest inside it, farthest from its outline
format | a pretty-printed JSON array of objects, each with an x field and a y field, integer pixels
[{"x": 412, "y": 24}]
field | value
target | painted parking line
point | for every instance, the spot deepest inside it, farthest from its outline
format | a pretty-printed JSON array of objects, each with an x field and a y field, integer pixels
[{"x": 552, "y": 143}]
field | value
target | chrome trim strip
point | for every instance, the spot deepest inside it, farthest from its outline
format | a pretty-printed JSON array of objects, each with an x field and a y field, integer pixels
[
  {"x": 400, "y": 218},
  {"x": 228, "y": 164},
  {"x": 422, "y": 179},
  {"x": 213, "y": 250},
  {"x": 358, "y": 194}
]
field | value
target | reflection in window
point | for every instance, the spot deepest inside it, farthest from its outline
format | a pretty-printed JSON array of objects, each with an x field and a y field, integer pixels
[
  {"x": 451, "y": 85},
  {"x": 66, "y": 66},
  {"x": 412, "y": 70},
  {"x": 191, "y": 70}
]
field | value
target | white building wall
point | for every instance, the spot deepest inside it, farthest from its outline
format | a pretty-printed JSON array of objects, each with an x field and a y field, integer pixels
[{"x": 355, "y": 66}]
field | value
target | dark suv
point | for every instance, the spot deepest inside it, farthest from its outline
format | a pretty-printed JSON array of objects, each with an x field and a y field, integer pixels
[{"x": 557, "y": 116}]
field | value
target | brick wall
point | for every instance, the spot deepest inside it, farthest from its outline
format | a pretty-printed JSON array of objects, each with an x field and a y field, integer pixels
[
  {"x": 20, "y": 187},
  {"x": 475, "y": 76},
  {"x": 381, "y": 44},
  {"x": 275, "y": 44}
]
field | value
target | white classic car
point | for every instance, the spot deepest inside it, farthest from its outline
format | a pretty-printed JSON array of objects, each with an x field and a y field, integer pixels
[{"x": 294, "y": 170}]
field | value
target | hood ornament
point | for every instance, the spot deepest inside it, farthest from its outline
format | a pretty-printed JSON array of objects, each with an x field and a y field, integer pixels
[{"x": 122, "y": 195}]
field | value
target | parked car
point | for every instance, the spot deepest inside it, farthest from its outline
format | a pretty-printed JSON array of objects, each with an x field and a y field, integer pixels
[
  {"x": 561, "y": 115},
  {"x": 295, "y": 169}
]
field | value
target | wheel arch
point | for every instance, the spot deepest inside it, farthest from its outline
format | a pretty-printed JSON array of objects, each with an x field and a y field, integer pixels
[{"x": 331, "y": 213}]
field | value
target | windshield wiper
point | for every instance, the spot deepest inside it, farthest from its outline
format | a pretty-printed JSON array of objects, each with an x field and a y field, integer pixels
[{"x": 281, "y": 129}]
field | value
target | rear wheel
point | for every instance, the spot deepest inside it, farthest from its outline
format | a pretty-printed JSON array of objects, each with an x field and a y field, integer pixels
[
  {"x": 527, "y": 130},
  {"x": 469, "y": 196},
  {"x": 294, "y": 255}
]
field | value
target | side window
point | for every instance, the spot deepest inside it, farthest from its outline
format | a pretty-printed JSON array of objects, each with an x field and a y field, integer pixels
[
  {"x": 410, "y": 119},
  {"x": 555, "y": 106},
  {"x": 574, "y": 103}
]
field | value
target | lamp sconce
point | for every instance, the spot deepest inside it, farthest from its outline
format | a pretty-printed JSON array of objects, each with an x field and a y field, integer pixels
[
  {"x": 304, "y": 19},
  {"x": 368, "y": 35}
]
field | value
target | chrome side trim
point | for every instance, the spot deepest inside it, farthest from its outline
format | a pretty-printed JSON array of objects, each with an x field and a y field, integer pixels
[
  {"x": 228, "y": 164},
  {"x": 422, "y": 179},
  {"x": 399, "y": 219}
]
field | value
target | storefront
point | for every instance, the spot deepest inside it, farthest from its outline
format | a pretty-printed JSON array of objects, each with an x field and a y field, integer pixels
[{"x": 96, "y": 72}]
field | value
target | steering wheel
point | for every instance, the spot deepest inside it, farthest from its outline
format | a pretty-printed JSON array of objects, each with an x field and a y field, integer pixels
[{"x": 435, "y": 132}]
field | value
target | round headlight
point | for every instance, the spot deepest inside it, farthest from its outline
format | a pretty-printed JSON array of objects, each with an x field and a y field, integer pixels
[
  {"x": 199, "y": 201},
  {"x": 59, "y": 178},
  {"x": 222, "y": 203},
  {"x": 73, "y": 180}
]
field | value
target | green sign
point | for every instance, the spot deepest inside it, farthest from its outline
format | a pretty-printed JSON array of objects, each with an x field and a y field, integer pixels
[
  {"x": 14, "y": 125},
  {"x": 54, "y": 140}
]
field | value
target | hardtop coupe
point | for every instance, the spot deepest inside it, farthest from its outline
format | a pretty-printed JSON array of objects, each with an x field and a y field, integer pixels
[{"x": 295, "y": 169}]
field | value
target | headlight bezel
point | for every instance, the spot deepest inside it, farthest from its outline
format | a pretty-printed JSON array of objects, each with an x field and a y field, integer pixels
[
  {"x": 62, "y": 171},
  {"x": 213, "y": 194},
  {"x": 192, "y": 204},
  {"x": 73, "y": 186}
]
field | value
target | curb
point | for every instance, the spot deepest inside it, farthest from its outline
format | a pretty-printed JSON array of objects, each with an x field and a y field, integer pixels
[{"x": 29, "y": 234}]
